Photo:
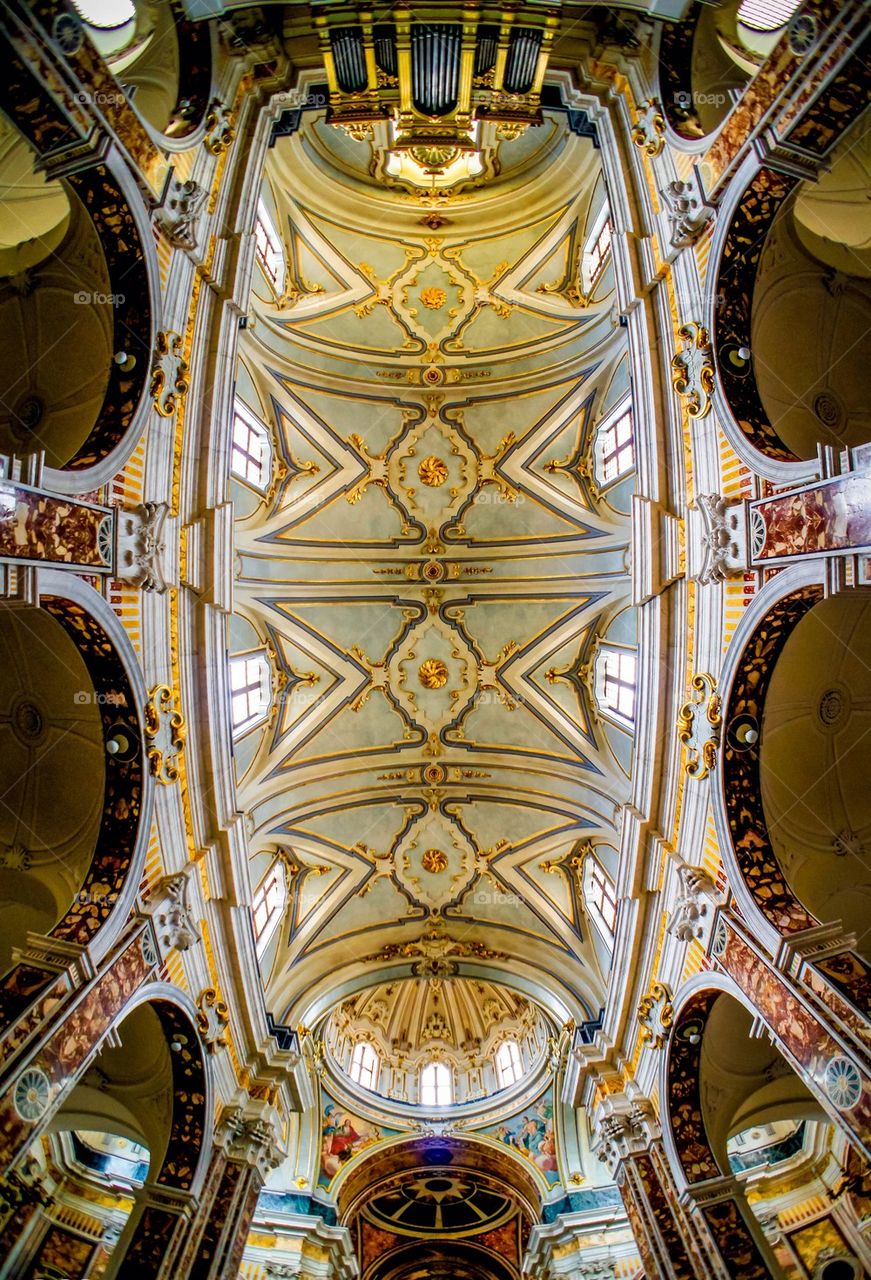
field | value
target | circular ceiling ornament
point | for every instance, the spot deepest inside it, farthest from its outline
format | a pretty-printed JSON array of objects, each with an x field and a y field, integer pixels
[
  {"x": 433, "y": 673},
  {"x": 433, "y": 298},
  {"x": 828, "y": 409},
  {"x": 434, "y": 861},
  {"x": 435, "y": 1200},
  {"x": 28, "y": 722},
  {"x": 833, "y": 707},
  {"x": 32, "y": 1093},
  {"x": 433, "y": 471},
  {"x": 801, "y": 34},
  {"x": 843, "y": 1083},
  {"x": 27, "y": 415},
  {"x": 66, "y": 32}
]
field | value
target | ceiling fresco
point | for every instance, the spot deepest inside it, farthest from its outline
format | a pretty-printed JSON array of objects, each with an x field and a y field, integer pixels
[{"x": 431, "y": 571}]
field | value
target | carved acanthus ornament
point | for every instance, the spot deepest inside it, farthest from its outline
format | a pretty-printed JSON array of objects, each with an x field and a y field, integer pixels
[
  {"x": 693, "y": 369},
  {"x": 723, "y": 538},
  {"x": 141, "y": 546},
  {"x": 250, "y": 1135},
  {"x": 164, "y": 734},
  {"x": 173, "y": 917},
  {"x": 619, "y": 1134},
  {"x": 180, "y": 212},
  {"x": 649, "y": 129},
  {"x": 687, "y": 210},
  {"x": 690, "y": 914},
  {"x": 700, "y": 733},
  {"x": 169, "y": 380}
]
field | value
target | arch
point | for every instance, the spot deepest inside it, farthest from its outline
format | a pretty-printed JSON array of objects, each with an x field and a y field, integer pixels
[
  {"x": 761, "y": 194},
  {"x": 105, "y": 193},
  {"x": 94, "y": 917},
  {"x": 702, "y": 62},
  {"x": 761, "y": 887},
  {"x": 707, "y": 1068},
  {"x": 357, "y": 1185}
]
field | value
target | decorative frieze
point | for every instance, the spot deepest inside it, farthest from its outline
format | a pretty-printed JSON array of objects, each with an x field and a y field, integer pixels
[
  {"x": 169, "y": 374},
  {"x": 165, "y": 734},
  {"x": 655, "y": 1015},
  {"x": 220, "y": 127},
  {"x": 700, "y": 733},
  {"x": 213, "y": 1020},
  {"x": 174, "y": 918}
]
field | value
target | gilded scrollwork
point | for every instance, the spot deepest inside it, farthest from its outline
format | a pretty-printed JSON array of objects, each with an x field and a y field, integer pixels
[
  {"x": 648, "y": 132},
  {"x": 165, "y": 734},
  {"x": 655, "y": 1015},
  {"x": 693, "y": 369},
  {"x": 169, "y": 374},
  {"x": 700, "y": 734}
]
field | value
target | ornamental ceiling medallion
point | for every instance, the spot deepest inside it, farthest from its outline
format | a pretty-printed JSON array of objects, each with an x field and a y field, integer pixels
[{"x": 436, "y": 861}]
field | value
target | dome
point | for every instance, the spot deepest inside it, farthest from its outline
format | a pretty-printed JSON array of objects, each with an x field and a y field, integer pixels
[{"x": 489, "y": 1038}]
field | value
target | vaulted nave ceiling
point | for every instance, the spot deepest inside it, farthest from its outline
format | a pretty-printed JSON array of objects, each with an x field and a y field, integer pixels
[{"x": 432, "y": 570}]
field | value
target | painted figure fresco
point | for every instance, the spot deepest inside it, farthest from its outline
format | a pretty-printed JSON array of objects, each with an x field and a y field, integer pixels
[
  {"x": 533, "y": 1136},
  {"x": 343, "y": 1135}
]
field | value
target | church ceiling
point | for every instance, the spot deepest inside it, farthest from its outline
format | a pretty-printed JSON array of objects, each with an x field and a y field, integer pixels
[{"x": 430, "y": 571}]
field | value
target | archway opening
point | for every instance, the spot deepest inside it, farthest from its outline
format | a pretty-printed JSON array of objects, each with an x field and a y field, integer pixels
[
  {"x": 52, "y": 774},
  {"x": 111, "y": 1134},
  {"x": 439, "y": 1206},
  {"x": 813, "y": 763}
]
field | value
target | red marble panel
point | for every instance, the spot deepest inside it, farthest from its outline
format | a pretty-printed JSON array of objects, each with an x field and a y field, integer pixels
[
  {"x": 830, "y": 517},
  {"x": 40, "y": 528},
  {"x": 795, "y": 1027},
  {"x": 84, "y": 1027}
]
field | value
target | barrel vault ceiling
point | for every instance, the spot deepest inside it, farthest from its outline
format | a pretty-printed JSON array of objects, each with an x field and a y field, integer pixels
[{"x": 430, "y": 571}]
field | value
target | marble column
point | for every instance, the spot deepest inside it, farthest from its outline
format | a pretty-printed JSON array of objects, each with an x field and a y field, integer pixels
[
  {"x": 246, "y": 1152},
  {"x": 671, "y": 1244}
]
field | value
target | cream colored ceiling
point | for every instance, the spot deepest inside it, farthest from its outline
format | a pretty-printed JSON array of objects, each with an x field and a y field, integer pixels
[{"x": 423, "y": 573}]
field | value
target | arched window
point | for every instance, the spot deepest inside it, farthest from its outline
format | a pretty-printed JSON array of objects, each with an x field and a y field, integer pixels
[
  {"x": 365, "y": 1065},
  {"x": 766, "y": 15},
  {"x": 268, "y": 905},
  {"x": 508, "y": 1065},
  {"x": 597, "y": 249},
  {"x": 270, "y": 253},
  {"x": 250, "y": 690},
  {"x": 616, "y": 683},
  {"x": 251, "y": 453},
  {"x": 105, "y": 14},
  {"x": 615, "y": 444},
  {"x": 599, "y": 897},
  {"x": 435, "y": 1085}
]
